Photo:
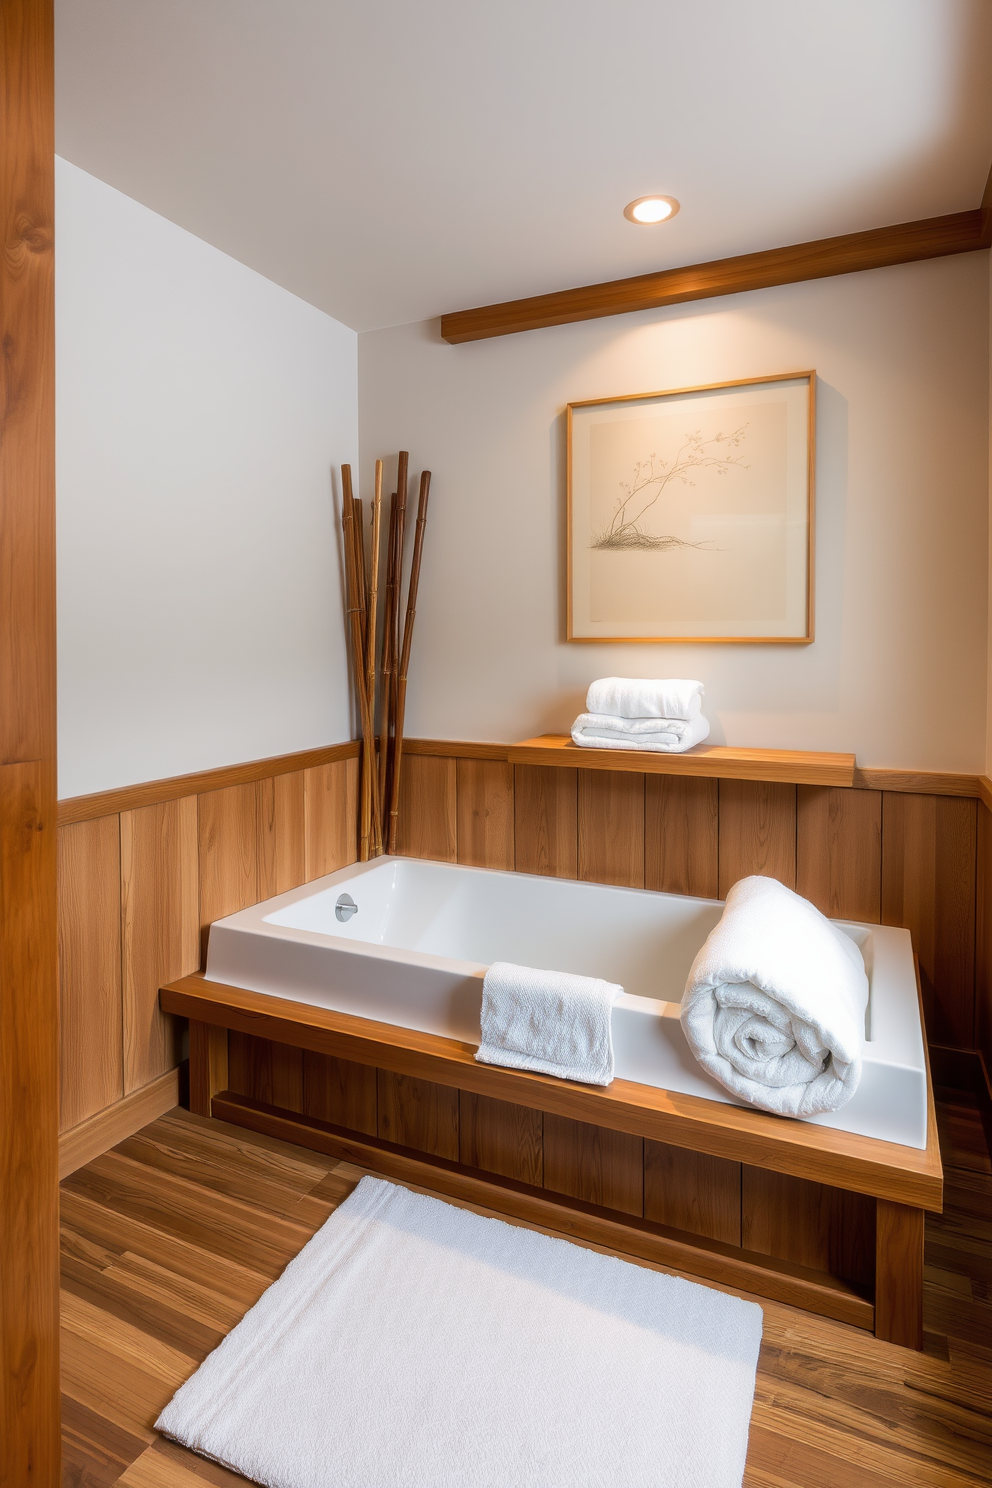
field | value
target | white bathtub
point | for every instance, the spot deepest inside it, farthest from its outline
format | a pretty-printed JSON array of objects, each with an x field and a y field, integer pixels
[{"x": 424, "y": 933}]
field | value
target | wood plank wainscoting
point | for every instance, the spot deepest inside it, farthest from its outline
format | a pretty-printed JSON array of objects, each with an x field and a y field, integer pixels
[
  {"x": 893, "y": 847},
  {"x": 142, "y": 873}
]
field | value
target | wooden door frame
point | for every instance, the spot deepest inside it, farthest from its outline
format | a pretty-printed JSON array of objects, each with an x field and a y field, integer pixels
[{"x": 29, "y": 1239}]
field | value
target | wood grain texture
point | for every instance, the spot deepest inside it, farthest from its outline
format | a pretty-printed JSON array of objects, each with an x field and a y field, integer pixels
[
  {"x": 904, "y": 242},
  {"x": 250, "y": 844},
  {"x": 208, "y": 1065},
  {"x": 899, "y": 1278},
  {"x": 691, "y": 1191},
  {"x": 264, "y": 1071},
  {"x": 922, "y": 782},
  {"x": 159, "y": 929},
  {"x": 757, "y": 832},
  {"x": 418, "y": 1113},
  {"x": 545, "y": 814},
  {"x": 611, "y": 829},
  {"x": 29, "y": 987},
  {"x": 457, "y": 749},
  {"x": 706, "y": 761},
  {"x": 331, "y": 817},
  {"x": 339, "y": 1091},
  {"x": 839, "y": 851},
  {"x": 843, "y": 1160},
  {"x": 810, "y": 1428},
  {"x": 501, "y": 1138},
  {"x": 485, "y": 813},
  {"x": 29, "y": 1101},
  {"x": 282, "y": 801},
  {"x": 795, "y": 767},
  {"x": 594, "y": 1164},
  {"x": 929, "y": 878},
  {"x": 428, "y": 812},
  {"x": 91, "y": 1034},
  {"x": 795, "y": 1219},
  {"x": 104, "y": 1130},
  {"x": 681, "y": 836},
  {"x": 155, "y": 792},
  {"x": 983, "y": 935}
]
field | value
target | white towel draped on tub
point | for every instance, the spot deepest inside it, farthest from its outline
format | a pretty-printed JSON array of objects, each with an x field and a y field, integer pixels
[
  {"x": 774, "y": 1007},
  {"x": 645, "y": 697},
  {"x": 548, "y": 1021},
  {"x": 658, "y": 735}
]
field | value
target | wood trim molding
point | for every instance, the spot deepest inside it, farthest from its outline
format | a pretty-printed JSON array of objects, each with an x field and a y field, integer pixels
[
  {"x": 920, "y": 782},
  {"x": 724, "y": 1264},
  {"x": 800, "y": 766},
  {"x": 457, "y": 749},
  {"x": 156, "y": 792},
  {"x": 789, "y": 766},
  {"x": 82, "y": 1143},
  {"x": 841, "y": 1160},
  {"x": 851, "y": 253}
]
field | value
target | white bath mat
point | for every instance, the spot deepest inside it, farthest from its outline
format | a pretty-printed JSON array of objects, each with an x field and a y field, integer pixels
[{"x": 412, "y": 1344}]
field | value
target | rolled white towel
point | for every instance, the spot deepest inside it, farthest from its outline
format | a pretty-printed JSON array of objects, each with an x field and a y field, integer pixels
[
  {"x": 657, "y": 735},
  {"x": 774, "y": 1007},
  {"x": 633, "y": 697},
  {"x": 550, "y": 1021}
]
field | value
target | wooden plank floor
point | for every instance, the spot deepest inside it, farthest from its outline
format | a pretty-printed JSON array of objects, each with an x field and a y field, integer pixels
[{"x": 169, "y": 1238}]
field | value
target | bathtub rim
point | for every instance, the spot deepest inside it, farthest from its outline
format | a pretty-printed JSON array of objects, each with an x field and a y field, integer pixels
[{"x": 885, "y": 1170}]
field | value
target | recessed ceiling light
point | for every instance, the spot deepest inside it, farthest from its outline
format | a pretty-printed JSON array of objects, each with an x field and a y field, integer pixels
[{"x": 651, "y": 209}]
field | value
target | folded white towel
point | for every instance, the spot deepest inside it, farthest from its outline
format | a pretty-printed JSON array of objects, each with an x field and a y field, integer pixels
[
  {"x": 633, "y": 697},
  {"x": 659, "y": 735},
  {"x": 549, "y": 1021},
  {"x": 774, "y": 1007}
]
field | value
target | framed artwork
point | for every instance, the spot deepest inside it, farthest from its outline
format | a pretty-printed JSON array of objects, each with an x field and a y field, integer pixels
[{"x": 690, "y": 514}]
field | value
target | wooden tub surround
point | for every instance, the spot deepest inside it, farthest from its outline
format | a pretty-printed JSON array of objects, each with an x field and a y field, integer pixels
[{"x": 798, "y": 1213}]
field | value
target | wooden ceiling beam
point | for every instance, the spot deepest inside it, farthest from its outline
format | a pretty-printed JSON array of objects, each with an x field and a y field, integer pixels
[{"x": 879, "y": 247}]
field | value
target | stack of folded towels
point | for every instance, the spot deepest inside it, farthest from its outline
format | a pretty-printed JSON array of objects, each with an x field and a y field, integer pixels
[{"x": 663, "y": 716}]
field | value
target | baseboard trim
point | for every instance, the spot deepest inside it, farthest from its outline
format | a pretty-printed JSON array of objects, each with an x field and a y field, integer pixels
[{"x": 99, "y": 1133}]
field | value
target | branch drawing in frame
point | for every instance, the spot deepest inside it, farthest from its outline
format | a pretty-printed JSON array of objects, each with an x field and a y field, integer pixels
[{"x": 690, "y": 513}]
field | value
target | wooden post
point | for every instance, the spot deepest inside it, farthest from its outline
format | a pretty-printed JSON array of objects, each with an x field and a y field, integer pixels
[
  {"x": 207, "y": 1065},
  {"x": 899, "y": 1274},
  {"x": 29, "y": 1096}
]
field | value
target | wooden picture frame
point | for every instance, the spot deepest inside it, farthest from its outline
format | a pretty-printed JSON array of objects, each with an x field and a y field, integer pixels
[{"x": 729, "y": 467}]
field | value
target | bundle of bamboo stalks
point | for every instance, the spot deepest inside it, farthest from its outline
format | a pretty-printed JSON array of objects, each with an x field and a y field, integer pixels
[{"x": 380, "y": 654}]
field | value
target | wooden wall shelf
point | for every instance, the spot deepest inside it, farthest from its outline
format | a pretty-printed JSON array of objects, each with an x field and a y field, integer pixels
[{"x": 786, "y": 766}]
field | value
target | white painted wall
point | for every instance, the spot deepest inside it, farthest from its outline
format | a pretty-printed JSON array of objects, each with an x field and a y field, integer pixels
[
  {"x": 897, "y": 672},
  {"x": 200, "y": 411}
]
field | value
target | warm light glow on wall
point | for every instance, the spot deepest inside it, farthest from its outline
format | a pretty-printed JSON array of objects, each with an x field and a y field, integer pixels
[{"x": 648, "y": 209}]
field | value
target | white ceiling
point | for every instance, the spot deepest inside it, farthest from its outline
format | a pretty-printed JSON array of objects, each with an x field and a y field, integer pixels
[{"x": 389, "y": 160}]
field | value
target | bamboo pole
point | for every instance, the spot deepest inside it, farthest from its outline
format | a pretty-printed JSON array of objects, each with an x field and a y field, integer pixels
[
  {"x": 365, "y": 779},
  {"x": 402, "y": 482},
  {"x": 370, "y": 656},
  {"x": 411, "y": 613},
  {"x": 352, "y": 579},
  {"x": 387, "y": 663}
]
